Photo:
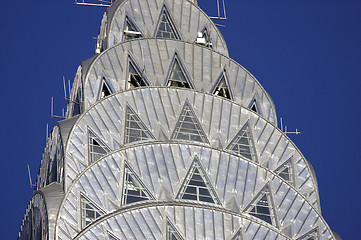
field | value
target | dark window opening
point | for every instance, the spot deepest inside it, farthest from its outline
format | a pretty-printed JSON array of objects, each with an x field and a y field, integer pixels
[
  {"x": 130, "y": 31},
  {"x": 135, "y": 79},
  {"x": 177, "y": 77}
]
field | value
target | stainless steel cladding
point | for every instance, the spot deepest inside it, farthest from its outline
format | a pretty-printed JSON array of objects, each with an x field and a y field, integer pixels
[{"x": 166, "y": 137}]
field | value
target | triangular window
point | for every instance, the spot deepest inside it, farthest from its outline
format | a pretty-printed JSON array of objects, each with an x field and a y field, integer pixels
[
  {"x": 242, "y": 144},
  {"x": 311, "y": 235},
  {"x": 238, "y": 235},
  {"x": 254, "y": 106},
  {"x": 261, "y": 207},
  {"x": 203, "y": 38},
  {"x": 196, "y": 185},
  {"x": 89, "y": 211},
  {"x": 135, "y": 129},
  {"x": 97, "y": 148},
  {"x": 177, "y": 76},
  {"x": 221, "y": 88},
  {"x": 285, "y": 171},
  {"x": 166, "y": 28},
  {"x": 130, "y": 30},
  {"x": 133, "y": 188},
  {"x": 135, "y": 77},
  {"x": 188, "y": 127},
  {"x": 106, "y": 88},
  {"x": 172, "y": 233}
]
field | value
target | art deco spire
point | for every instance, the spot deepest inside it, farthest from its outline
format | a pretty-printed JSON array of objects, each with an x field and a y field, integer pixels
[{"x": 165, "y": 136}]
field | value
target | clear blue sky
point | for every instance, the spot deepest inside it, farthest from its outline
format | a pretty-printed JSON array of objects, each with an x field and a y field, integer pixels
[{"x": 306, "y": 54}]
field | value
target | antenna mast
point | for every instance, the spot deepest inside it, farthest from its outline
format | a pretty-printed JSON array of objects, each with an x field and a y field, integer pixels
[
  {"x": 220, "y": 15},
  {"x": 31, "y": 183},
  {"x": 97, "y": 3}
]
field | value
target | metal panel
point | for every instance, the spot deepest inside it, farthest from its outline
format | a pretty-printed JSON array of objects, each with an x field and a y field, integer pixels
[
  {"x": 155, "y": 57},
  {"x": 150, "y": 161},
  {"x": 107, "y": 123}
]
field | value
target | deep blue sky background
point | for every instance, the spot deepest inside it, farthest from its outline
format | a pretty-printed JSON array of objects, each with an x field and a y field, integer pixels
[{"x": 306, "y": 54}]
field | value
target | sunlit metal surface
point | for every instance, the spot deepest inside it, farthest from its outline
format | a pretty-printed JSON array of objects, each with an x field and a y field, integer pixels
[{"x": 170, "y": 137}]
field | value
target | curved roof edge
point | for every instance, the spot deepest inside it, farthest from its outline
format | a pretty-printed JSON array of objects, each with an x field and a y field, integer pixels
[
  {"x": 53, "y": 195},
  {"x": 65, "y": 127},
  {"x": 110, "y": 12},
  {"x": 89, "y": 63}
]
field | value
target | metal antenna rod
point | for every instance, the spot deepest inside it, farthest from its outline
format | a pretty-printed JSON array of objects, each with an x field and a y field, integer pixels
[
  {"x": 224, "y": 10},
  {"x": 31, "y": 183},
  {"x": 52, "y": 110},
  {"x": 52, "y": 107},
  {"x": 219, "y": 17},
  {"x": 285, "y": 131},
  {"x": 296, "y": 132},
  {"x": 97, "y": 3},
  {"x": 69, "y": 88},
  {"x": 64, "y": 88}
]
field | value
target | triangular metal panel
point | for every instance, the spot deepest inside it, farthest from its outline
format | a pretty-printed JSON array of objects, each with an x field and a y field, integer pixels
[
  {"x": 262, "y": 207},
  {"x": 133, "y": 188},
  {"x": 131, "y": 31},
  {"x": 96, "y": 147},
  {"x": 135, "y": 129},
  {"x": 196, "y": 185},
  {"x": 221, "y": 88},
  {"x": 188, "y": 127},
  {"x": 243, "y": 144},
  {"x": 166, "y": 27}
]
